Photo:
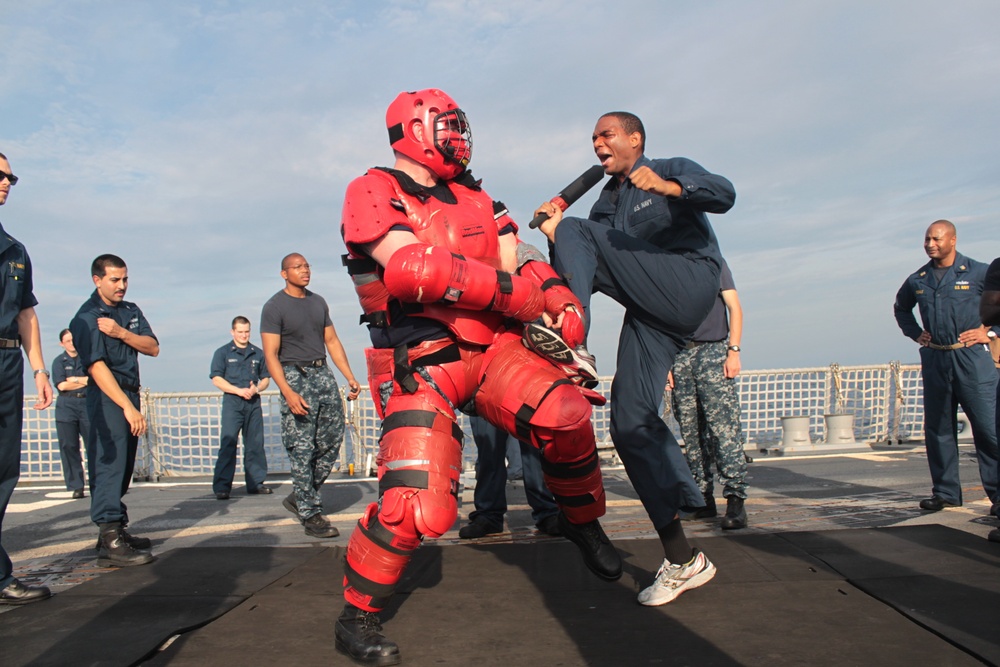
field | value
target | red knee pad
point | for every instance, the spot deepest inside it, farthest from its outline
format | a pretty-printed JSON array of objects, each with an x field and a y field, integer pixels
[
  {"x": 565, "y": 409},
  {"x": 425, "y": 512}
]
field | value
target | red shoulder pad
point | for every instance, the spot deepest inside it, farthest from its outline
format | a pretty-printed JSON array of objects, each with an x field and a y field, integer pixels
[
  {"x": 368, "y": 210},
  {"x": 502, "y": 217}
]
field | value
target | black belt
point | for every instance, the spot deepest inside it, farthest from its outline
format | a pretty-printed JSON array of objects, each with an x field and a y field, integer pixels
[
  {"x": 303, "y": 365},
  {"x": 74, "y": 394},
  {"x": 134, "y": 388},
  {"x": 319, "y": 363},
  {"x": 10, "y": 343},
  {"x": 691, "y": 344}
]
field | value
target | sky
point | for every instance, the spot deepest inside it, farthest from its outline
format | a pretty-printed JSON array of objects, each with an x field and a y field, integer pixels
[{"x": 203, "y": 141}]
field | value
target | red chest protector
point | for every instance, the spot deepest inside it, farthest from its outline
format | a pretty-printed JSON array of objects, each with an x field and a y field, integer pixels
[{"x": 376, "y": 203}]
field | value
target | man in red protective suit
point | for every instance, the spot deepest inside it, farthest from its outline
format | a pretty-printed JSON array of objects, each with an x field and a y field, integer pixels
[{"x": 446, "y": 287}]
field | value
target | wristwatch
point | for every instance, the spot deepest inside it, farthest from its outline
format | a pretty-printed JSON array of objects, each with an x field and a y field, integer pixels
[
  {"x": 734, "y": 348},
  {"x": 41, "y": 370},
  {"x": 991, "y": 334}
]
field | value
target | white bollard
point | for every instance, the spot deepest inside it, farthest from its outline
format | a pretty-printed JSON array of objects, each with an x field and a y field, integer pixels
[
  {"x": 795, "y": 432},
  {"x": 839, "y": 429},
  {"x": 964, "y": 428}
]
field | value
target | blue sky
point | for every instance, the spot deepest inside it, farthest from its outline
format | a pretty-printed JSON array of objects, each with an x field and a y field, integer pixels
[{"x": 203, "y": 141}]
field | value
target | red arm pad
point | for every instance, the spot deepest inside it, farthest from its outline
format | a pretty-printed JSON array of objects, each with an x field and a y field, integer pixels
[
  {"x": 423, "y": 273},
  {"x": 558, "y": 296}
]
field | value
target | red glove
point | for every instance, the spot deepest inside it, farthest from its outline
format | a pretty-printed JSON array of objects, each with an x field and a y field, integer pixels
[{"x": 558, "y": 300}]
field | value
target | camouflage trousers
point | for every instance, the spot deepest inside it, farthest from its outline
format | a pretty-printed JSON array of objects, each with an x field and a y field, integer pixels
[
  {"x": 313, "y": 440},
  {"x": 707, "y": 409}
]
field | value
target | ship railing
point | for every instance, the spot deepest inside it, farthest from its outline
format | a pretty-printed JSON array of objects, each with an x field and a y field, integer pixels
[{"x": 183, "y": 437}]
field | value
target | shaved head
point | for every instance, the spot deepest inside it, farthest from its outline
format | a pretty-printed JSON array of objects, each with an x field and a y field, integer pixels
[
  {"x": 940, "y": 242},
  {"x": 946, "y": 224},
  {"x": 290, "y": 259}
]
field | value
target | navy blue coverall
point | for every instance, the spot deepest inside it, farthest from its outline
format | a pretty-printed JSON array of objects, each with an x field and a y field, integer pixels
[
  {"x": 992, "y": 284},
  {"x": 112, "y": 445},
  {"x": 240, "y": 367},
  {"x": 72, "y": 421},
  {"x": 659, "y": 258},
  {"x": 15, "y": 295},
  {"x": 964, "y": 376}
]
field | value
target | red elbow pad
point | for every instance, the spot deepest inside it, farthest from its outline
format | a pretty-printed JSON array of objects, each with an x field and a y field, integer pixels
[{"x": 421, "y": 273}]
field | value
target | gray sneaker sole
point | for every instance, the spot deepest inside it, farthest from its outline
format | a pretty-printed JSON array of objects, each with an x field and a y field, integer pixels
[{"x": 548, "y": 344}]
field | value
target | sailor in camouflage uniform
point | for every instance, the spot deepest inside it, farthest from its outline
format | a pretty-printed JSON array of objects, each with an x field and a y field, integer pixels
[
  {"x": 296, "y": 333},
  {"x": 312, "y": 445},
  {"x": 707, "y": 406}
]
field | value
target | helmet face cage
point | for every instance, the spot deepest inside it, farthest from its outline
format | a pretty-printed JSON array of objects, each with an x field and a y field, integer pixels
[{"x": 453, "y": 136}]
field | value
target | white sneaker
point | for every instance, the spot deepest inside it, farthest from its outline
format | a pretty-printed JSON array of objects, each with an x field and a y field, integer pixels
[{"x": 672, "y": 580}]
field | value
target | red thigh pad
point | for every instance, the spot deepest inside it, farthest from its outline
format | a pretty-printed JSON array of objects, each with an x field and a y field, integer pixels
[
  {"x": 420, "y": 462},
  {"x": 522, "y": 393},
  {"x": 527, "y": 396},
  {"x": 457, "y": 379}
]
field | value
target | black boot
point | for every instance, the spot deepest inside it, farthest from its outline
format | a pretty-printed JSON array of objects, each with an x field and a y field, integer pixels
[
  {"x": 289, "y": 504},
  {"x": 115, "y": 551},
  {"x": 358, "y": 635},
  {"x": 707, "y": 511},
  {"x": 480, "y": 527},
  {"x": 736, "y": 515},
  {"x": 137, "y": 543},
  {"x": 598, "y": 553}
]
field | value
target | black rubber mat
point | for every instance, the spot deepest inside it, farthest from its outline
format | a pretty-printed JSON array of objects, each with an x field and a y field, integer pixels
[
  {"x": 121, "y": 616},
  {"x": 944, "y": 579},
  {"x": 783, "y": 599}
]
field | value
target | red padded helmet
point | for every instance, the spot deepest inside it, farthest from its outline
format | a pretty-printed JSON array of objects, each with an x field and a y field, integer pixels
[{"x": 446, "y": 148}]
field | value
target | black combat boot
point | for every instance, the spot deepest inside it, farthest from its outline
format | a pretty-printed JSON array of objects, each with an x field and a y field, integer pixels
[
  {"x": 480, "y": 527},
  {"x": 114, "y": 551},
  {"x": 137, "y": 543},
  {"x": 599, "y": 555},
  {"x": 318, "y": 526},
  {"x": 358, "y": 635},
  {"x": 289, "y": 504},
  {"x": 736, "y": 515}
]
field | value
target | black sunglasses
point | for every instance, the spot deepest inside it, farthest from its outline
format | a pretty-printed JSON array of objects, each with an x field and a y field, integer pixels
[{"x": 10, "y": 177}]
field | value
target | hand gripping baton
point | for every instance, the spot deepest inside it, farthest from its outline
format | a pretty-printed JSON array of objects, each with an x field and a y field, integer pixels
[{"x": 572, "y": 192}]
